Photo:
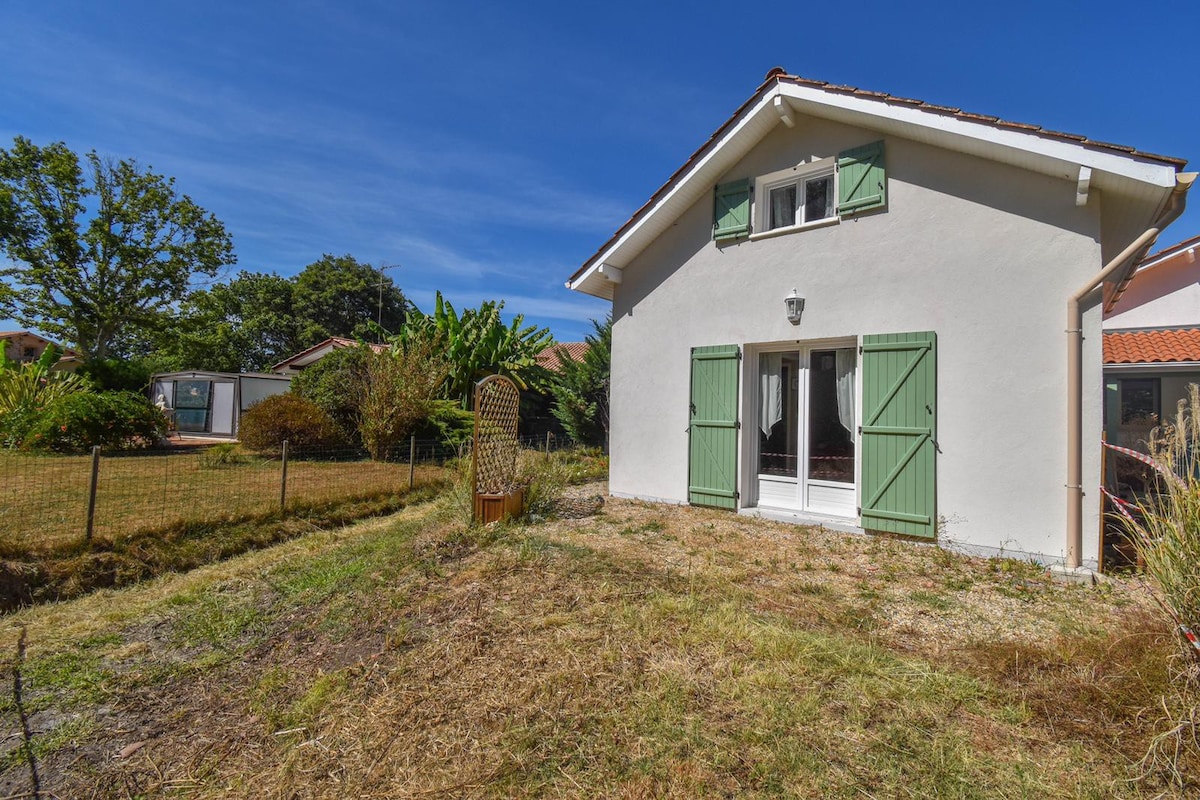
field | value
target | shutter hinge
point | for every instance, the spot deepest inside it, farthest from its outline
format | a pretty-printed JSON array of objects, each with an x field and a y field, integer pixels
[
  {"x": 737, "y": 495},
  {"x": 860, "y": 430},
  {"x": 737, "y": 425},
  {"x": 860, "y": 511}
]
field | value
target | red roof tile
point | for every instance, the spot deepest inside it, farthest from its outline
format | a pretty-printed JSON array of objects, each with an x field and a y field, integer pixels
[
  {"x": 572, "y": 351},
  {"x": 1152, "y": 347}
]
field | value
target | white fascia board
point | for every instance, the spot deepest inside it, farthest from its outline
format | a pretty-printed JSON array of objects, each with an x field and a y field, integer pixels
[
  {"x": 985, "y": 137},
  {"x": 1155, "y": 366},
  {"x": 721, "y": 155},
  {"x": 1024, "y": 149}
]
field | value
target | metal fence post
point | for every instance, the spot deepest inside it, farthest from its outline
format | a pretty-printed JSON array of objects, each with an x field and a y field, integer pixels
[
  {"x": 283, "y": 479},
  {"x": 91, "y": 515},
  {"x": 412, "y": 460}
]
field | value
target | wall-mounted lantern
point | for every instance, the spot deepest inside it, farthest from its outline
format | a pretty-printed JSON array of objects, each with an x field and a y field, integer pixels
[{"x": 795, "y": 307}]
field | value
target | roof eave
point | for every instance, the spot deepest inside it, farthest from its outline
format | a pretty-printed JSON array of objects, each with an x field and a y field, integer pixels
[{"x": 1060, "y": 155}]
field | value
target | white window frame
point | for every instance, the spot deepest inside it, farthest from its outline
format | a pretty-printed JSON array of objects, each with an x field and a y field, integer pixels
[{"x": 797, "y": 175}]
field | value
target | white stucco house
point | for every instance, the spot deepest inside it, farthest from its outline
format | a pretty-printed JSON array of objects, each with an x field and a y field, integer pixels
[
  {"x": 849, "y": 308},
  {"x": 1152, "y": 344}
]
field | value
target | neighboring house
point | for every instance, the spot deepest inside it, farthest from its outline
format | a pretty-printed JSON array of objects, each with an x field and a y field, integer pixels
[
  {"x": 25, "y": 347},
  {"x": 549, "y": 359},
  {"x": 849, "y": 308},
  {"x": 293, "y": 364},
  {"x": 1152, "y": 344},
  {"x": 211, "y": 404}
]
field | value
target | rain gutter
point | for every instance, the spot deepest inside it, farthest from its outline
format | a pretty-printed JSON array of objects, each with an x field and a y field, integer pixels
[{"x": 1135, "y": 251}]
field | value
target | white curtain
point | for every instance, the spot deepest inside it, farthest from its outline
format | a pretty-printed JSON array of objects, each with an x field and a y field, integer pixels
[
  {"x": 845, "y": 388},
  {"x": 770, "y": 391}
]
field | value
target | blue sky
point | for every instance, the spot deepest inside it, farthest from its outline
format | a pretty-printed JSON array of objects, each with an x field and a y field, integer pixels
[{"x": 490, "y": 148}]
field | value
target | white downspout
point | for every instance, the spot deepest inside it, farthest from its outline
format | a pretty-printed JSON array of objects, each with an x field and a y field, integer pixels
[{"x": 1135, "y": 250}]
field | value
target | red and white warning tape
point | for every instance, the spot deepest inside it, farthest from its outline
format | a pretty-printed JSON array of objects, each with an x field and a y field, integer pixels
[
  {"x": 1121, "y": 506},
  {"x": 1145, "y": 459}
]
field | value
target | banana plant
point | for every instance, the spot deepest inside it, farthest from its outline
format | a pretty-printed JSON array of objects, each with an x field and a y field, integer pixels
[
  {"x": 477, "y": 343},
  {"x": 36, "y": 384}
]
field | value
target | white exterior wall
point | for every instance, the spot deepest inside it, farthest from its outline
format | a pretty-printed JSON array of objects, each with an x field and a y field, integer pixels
[
  {"x": 983, "y": 254},
  {"x": 1165, "y": 295}
]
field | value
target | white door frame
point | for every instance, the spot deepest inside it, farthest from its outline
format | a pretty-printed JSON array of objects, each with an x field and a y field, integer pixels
[{"x": 749, "y": 478}]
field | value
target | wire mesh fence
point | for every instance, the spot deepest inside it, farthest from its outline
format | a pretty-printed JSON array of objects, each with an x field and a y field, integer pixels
[{"x": 47, "y": 500}]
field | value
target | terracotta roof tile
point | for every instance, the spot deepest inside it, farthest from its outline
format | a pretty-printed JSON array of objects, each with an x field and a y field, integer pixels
[
  {"x": 1152, "y": 347},
  {"x": 572, "y": 351}
]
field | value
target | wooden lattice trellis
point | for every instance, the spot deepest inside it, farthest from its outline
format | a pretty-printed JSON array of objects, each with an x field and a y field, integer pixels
[{"x": 496, "y": 449}]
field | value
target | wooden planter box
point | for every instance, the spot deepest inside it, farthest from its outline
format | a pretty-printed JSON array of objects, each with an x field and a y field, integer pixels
[{"x": 496, "y": 507}]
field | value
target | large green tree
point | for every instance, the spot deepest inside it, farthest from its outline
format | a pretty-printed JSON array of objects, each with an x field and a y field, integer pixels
[
  {"x": 245, "y": 325},
  {"x": 101, "y": 249},
  {"x": 340, "y": 296}
]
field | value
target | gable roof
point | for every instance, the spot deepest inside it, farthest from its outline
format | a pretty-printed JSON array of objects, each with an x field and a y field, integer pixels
[
  {"x": 1146, "y": 177},
  {"x": 320, "y": 350},
  {"x": 1175, "y": 345},
  {"x": 572, "y": 351}
]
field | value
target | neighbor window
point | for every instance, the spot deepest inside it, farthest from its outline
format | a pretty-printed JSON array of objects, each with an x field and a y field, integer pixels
[{"x": 797, "y": 197}]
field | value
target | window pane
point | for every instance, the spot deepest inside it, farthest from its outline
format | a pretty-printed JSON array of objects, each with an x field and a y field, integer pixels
[
  {"x": 192, "y": 394},
  {"x": 831, "y": 421},
  {"x": 1139, "y": 401},
  {"x": 783, "y": 207},
  {"x": 779, "y": 407},
  {"x": 818, "y": 198}
]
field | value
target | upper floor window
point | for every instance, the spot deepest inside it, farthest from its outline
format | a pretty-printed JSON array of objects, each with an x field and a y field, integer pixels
[
  {"x": 807, "y": 195},
  {"x": 798, "y": 196}
]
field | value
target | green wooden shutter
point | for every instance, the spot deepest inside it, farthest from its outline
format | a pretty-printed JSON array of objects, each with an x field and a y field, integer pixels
[
  {"x": 862, "y": 180},
  {"x": 713, "y": 427},
  {"x": 731, "y": 210},
  {"x": 898, "y": 433}
]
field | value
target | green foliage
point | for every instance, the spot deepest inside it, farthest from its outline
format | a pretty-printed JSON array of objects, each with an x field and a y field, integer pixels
[
  {"x": 329, "y": 383},
  {"x": 33, "y": 386},
  {"x": 478, "y": 344},
  {"x": 448, "y": 422},
  {"x": 581, "y": 389},
  {"x": 258, "y": 319},
  {"x": 245, "y": 325},
  {"x": 340, "y": 296},
  {"x": 396, "y": 391},
  {"x": 545, "y": 477},
  {"x": 76, "y": 422},
  {"x": 287, "y": 417},
  {"x": 219, "y": 456},
  {"x": 117, "y": 374},
  {"x": 98, "y": 258}
]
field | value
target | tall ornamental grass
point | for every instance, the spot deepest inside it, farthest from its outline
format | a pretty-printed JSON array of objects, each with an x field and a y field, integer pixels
[{"x": 1167, "y": 536}]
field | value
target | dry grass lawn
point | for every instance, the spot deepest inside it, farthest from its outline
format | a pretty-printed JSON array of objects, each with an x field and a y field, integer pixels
[
  {"x": 45, "y": 499},
  {"x": 648, "y": 651}
]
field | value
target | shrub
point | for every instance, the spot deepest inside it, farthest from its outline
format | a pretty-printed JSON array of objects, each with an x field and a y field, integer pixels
[
  {"x": 448, "y": 423},
  {"x": 287, "y": 417},
  {"x": 77, "y": 422},
  {"x": 116, "y": 374},
  {"x": 396, "y": 391},
  {"x": 545, "y": 477},
  {"x": 330, "y": 383}
]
